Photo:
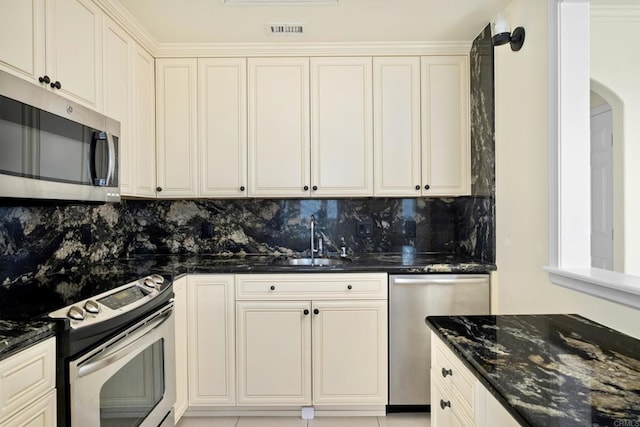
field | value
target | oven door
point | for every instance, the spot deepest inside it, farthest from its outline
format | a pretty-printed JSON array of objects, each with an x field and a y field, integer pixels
[{"x": 129, "y": 380}]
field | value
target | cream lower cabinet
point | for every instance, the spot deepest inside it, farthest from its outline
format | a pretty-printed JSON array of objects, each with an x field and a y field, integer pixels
[
  {"x": 211, "y": 340},
  {"x": 457, "y": 396},
  {"x": 312, "y": 339},
  {"x": 27, "y": 381},
  {"x": 181, "y": 311}
]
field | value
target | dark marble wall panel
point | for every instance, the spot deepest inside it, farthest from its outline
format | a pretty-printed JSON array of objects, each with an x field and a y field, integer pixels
[{"x": 38, "y": 239}]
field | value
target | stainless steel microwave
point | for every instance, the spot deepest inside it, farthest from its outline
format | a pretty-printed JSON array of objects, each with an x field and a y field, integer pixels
[{"x": 52, "y": 148}]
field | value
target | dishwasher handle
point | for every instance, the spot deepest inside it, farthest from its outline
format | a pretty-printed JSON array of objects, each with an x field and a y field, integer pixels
[{"x": 442, "y": 281}]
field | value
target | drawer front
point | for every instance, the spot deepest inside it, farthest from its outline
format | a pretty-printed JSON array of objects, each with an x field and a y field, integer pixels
[
  {"x": 446, "y": 408},
  {"x": 39, "y": 414},
  {"x": 453, "y": 374},
  {"x": 315, "y": 286},
  {"x": 26, "y": 376}
]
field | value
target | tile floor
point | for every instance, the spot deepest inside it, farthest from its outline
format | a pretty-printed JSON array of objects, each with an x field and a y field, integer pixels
[{"x": 391, "y": 420}]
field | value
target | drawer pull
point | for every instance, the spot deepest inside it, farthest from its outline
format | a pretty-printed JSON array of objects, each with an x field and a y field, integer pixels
[
  {"x": 349, "y": 287},
  {"x": 444, "y": 404},
  {"x": 446, "y": 372},
  {"x": 273, "y": 288}
]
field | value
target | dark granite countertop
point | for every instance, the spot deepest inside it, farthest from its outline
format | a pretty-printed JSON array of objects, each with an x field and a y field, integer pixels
[
  {"x": 25, "y": 301},
  {"x": 550, "y": 370},
  {"x": 16, "y": 335}
]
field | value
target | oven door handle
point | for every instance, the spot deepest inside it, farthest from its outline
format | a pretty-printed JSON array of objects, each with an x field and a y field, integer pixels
[{"x": 109, "y": 357}]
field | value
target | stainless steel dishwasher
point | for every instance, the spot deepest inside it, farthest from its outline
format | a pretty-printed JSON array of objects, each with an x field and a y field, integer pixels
[{"x": 411, "y": 299}]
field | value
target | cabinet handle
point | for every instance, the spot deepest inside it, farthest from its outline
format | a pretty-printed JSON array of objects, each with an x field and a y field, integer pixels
[
  {"x": 273, "y": 288},
  {"x": 158, "y": 189},
  {"x": 417, "y": 187},
  {"x": 349, "y": 287},
  {"x": 242, "y": 188},
  {"x": 44, "y": 79},
  {"x": 315, "y": 188},
  {"x": 305, "y": 188},
  {"x": 446, "y": 372},
  {"x": 306, "y": 312},
  {"x": 426, "y": 187},
  {"x": 316, "y": 311},
  {"x": 56, "y": 85},
  {"x": 444, "y": 404}
]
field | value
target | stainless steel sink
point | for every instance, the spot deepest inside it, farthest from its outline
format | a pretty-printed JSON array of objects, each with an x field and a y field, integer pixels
[{"x": 311, "y": 262}]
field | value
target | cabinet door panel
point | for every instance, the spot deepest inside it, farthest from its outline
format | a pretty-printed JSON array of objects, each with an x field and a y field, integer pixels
[
  {"x": 144, "y": 166},
  {"x": 211, "y": 340},
  {"x": 350, "y": 352},
  {"x": 445, "y": 126},
  {"x": 222, "y": 126},
  {"x": 341, "y": 127},
  {"x": 176, "y": 85},
  {"x": 22, "y": 38},
  {"x": 274, "y": 353},
  {"x": 396, "y": 93},
  {"x": 74, "y": 49},
  {"x": 278, "y": 130}
]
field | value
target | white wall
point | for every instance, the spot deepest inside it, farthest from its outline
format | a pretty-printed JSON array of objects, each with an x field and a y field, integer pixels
[{"x": 521, "y": 183}]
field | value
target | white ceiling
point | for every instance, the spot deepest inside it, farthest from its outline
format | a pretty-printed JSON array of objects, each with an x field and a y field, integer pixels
[{"x": 211, "y": 21}]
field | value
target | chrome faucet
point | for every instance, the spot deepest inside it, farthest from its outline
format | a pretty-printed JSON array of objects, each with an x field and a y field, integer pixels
[{"x": 313, "y": 231}]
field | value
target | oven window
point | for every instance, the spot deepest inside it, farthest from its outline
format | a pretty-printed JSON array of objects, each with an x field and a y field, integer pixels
[{"x": 131, "y": 393}]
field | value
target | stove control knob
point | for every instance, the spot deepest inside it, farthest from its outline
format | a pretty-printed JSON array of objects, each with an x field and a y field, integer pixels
[
  {"x": 150, "y": 283},
  {"x": 157, "y": 278},
  {"x": 76, "y": 313},
  {"x": 92, "y": 307}
]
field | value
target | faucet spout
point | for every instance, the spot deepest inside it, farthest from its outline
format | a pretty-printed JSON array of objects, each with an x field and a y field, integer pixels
[{"x": 313, "y": 230}]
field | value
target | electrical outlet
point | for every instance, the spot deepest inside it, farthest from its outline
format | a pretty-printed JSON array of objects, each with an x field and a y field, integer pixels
[
  {"x": 410, "y": 229},
  {"x": 85, "y": 234},
  {"x": 364, "y": 228},
  {"x": 206, "y": 231}
]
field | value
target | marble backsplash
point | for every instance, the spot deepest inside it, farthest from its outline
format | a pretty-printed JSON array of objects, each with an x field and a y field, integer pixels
[{"x": 39, "y": 238}]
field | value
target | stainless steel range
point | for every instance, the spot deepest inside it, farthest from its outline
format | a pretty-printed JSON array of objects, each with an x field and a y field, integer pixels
[{"x": 116, "y": 357}]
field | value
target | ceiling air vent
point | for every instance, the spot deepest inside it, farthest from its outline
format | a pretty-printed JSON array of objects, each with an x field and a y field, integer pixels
[{"x": 285, "y": 29}]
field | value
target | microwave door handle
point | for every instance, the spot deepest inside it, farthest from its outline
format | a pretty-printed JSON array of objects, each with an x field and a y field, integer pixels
[
  {"x": 111, "y": 168},
  {"x": 109, "y": 357}
]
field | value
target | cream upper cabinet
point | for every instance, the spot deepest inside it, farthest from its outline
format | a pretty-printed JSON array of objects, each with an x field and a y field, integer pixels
[
  {"x": 446, "y": 145},
  {"x": 396, "y": 106},
  {"x": 181, "y": 312},
  {"x": 278, "y": 132},
  {"x": 143, "y": 154},
  {"x": 74, "y": 50},
  {"x": 274, "y": 353},
  {"x": 118, "y": 48},
  {"x": 350, "y": 352},
  {"x": 22, "y": 46},
  {"x": 222, "y": 127},
  {"x": 341, "y": 127},
  {"x": 176, "y": 132},
  {"x": 211, "y": 345}
]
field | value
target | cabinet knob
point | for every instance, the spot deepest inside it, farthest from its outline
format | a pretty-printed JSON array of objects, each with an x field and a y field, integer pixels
[
  {"x": 316, "y": 311},
  {"x": 56, "y": 85},
  {"x": 44, "y": 79},
  {"x": 305, "y": 188},
  {"x": 417, "y": 187},
  {"x": 158, "y": 189},
  {"x": 242, "y": 188},
  {"x": 446, "y": 372},
  {"x": 273, "y": 288},
  {"x": 426, "y": 187},
  {"x": 306, "y": 312},
  {"x": 444, "y": 404},
  {"x": 315, "y": 188},
  {"x": 349, "y": 287}
]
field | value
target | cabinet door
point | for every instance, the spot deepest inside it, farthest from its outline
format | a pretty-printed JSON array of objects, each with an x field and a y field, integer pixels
[
  {"x": 278, "y": 132},
  {"x": 274, "y": 353},
  {"x": 118, "y": 48},
  {"x": 222, "y": 127},
  {"x": 41, "y": 413},
  {"x": 441, "y": 412},
  {"x": 446, "y": 145},
  {"x": 176, "y": 102},
  {"x": 22, "y": 38},
  {"x": 144, "y": 113},
  {"x": 211, "y": 340},
  {"x": 180, "y": 311},
  {"x": 341, "y": 127},
  {"x": 350, "y": 352},
  {"x": 74, "y": 49},
  {"x": 396, "y": 107}
]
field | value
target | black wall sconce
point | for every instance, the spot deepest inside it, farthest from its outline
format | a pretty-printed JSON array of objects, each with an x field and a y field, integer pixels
[{"x": 501, "y": 33}]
